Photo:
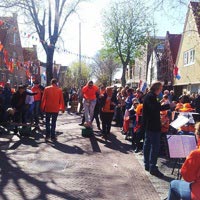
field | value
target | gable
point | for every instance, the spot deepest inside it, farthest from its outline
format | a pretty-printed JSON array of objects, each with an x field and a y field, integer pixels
[
  {"x": 195, "y": 7},
  {"x": 174, "y": 41},
  {"x": 190, "y": 41},
  {"x": 10, "y": 37}
]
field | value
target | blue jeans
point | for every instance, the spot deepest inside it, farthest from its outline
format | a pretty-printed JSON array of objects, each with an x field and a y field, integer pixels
[
  {"x": 51, "y": 127},
  {"x": 179, "y": 190},
  {"x": 36, "y": 111},
  {"x": 151, "y": 149}
]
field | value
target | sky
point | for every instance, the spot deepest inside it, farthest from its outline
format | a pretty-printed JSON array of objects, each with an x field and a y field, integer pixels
[
  {"x": 89, "y": 15},
  {"x": 91, "y": 31}
]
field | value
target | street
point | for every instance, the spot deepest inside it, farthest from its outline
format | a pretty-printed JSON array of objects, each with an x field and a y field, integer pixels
[{"x": 75, "y": 167}]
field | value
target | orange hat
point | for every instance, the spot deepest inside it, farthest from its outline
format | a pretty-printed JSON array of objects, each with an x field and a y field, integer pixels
[
  {"x": 178, "y": 106},
  {"x": 139, "y": 108},
  {"x": 186, "y": 108},
  {"x": 163, "y": 112}
]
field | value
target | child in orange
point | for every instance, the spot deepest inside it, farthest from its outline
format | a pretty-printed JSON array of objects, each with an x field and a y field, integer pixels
[{"x": 138, "y": 129}]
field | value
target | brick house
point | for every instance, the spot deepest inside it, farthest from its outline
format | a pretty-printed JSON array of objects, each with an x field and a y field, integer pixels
[
  {"x": 31, "y": 63},
  {"x": 11, "y": 69}
]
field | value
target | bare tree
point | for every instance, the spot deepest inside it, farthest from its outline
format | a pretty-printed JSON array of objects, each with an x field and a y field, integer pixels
[
  {"x": 104, "y": 68},
  {"x": 49, "y": 18}
]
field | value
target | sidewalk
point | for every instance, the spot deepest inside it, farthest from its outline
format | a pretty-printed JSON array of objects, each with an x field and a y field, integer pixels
[{"x": 75, "y": 167}]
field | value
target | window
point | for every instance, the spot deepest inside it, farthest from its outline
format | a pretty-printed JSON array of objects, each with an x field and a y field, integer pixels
[
  {"x": 3, "y": 77},
  {"x": 14, "y": 38},
  {"x": 131, "y": 72},
  {"x": 189, "y": 57},
  {"x": 14, "y": 54},
  {"x": 10, "y": 78}
]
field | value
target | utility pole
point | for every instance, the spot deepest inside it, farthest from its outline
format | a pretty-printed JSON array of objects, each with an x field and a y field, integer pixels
[{"x": 80, "y": 71}]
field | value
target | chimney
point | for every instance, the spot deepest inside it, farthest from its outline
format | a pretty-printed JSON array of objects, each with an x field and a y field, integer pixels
[{"x": 15, "y": 15}]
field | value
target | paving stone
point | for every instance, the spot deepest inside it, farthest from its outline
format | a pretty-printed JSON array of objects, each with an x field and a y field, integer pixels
[{"x": 75, "y": 167}]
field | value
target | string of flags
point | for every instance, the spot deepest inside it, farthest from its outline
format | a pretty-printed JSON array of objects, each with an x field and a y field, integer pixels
[
  {"x": 176, "y": 72},
  {"x": 8, "y": 25},
  {"x": 35, "y": 38}
]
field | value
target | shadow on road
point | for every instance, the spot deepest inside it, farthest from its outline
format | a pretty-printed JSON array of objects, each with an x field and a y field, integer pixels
[
  {"x": 31, "y": 139},
  {"x": 113, "y": 143},
  {"x": 95, "y": 145},
  {"x": 12, "y": 174},
  {"x": 66, "y": 148}
]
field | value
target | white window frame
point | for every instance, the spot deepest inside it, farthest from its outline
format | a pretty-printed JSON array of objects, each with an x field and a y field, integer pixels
[
  {"x": 14, "y": 38},
  {"x": 189, "y": 57}
]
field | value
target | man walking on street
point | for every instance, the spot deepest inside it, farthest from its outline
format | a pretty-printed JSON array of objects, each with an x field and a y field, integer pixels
[
  {"x": 89, "y": 101},
  {"x": 52, "y": 103},
  {"x": 152, "y": 127}
]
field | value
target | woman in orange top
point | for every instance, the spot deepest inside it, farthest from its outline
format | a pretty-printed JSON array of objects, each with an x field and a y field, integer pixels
[
  {"x": 108, "y": 103},
  {"x": 190, "y": 171},
  {"x": 52, "y": 103}
]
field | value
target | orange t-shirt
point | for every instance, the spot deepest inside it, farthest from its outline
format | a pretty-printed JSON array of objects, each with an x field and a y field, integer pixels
[
  {"x": 106, "y": 107},
  {"x": 1, "y": 47},
  {"x": 89, "y": 93},
  {"x": 191, "y": 173},
  {"x": 37, "y": 90}
]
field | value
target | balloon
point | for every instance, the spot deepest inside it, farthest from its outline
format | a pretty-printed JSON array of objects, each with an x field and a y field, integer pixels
[{"x": 178, "y": 77}]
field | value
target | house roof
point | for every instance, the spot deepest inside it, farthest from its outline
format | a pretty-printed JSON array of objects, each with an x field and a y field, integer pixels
[
  {"x": 30, "y": 53},
  {"x": 196, "y": 11},
  {"x": 3, "y": 33},
  {"x": 4, "y": 28},
  {"x": 174, "y": 42}
]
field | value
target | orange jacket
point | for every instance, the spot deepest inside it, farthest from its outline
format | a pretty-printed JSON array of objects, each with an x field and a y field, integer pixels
[
  {"x": 191, "y": 173},
  {"x": 37, "y": 90},
  {"x": 52, "y": 99}
]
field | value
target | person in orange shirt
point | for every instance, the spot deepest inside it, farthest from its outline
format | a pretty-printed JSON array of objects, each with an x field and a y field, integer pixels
[
  {"x": 52, "y": 103},
  {"x": 108, "y": 103},
  {"x": 1, "y": 47},
  {"x": 37, "y": 100},
  {"x": 89, "y": 93},
  {"x": 197, "y": 133},
  {"x": 1, "y": 53},
  {"x": 189, "y": 188}
]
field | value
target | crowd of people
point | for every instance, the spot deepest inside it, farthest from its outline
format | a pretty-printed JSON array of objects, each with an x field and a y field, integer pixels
[
  {"x": 146, "y": 116},
  {"x": 22, "y": 103},
  {"x": 25, "y": 106},
  {"x": 143, "y": 116}
]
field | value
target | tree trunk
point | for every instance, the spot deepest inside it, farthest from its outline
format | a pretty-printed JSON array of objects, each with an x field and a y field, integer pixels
[
  {"x": 110, "y": 79},
  {"x": 123, "y": 78},
  {"x": 49, "y": 67}
]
